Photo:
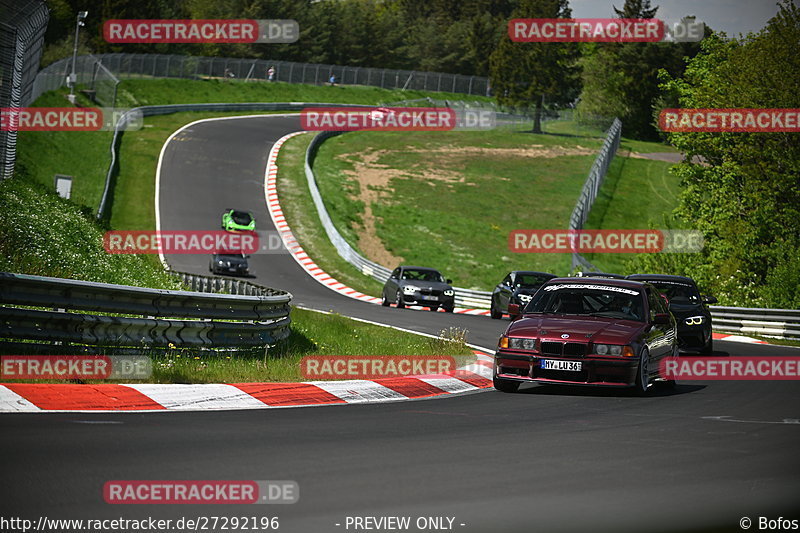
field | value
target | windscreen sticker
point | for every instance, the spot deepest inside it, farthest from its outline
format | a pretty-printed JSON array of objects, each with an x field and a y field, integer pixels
[{"x": 592, "y": 287}]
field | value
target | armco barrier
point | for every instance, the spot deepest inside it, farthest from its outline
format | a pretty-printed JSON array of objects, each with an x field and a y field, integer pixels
[
  {"x": 160, "y": 317},
  {"x": 779, "y": 323}
]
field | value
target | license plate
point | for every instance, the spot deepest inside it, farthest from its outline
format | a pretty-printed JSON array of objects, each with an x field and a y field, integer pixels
[
  {"x": 426, "y": 297},
  {"x": 232, "y": 269},
  {"x": 570, "y": 366}
]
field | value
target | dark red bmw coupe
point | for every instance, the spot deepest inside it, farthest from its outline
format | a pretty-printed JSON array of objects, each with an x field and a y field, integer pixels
[{"x": 588, "y": 331}]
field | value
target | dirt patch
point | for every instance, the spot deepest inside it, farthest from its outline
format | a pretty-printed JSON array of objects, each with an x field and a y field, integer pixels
[{"x": 374, "y": 179}]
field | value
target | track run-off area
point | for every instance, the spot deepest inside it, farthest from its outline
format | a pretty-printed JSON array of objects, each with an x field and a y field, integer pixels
[{"x": 699, "y": 457}]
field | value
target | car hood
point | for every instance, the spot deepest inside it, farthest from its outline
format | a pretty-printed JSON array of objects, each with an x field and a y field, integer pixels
[
  {"x": 579, "y": 328},
  {"x": 526, "y": 290},
  {"x": 685, "y": 310},
  {"x": 425, "y": 284}
]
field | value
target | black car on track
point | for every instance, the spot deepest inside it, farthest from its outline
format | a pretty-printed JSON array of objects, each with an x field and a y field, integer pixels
[
  {"x": 689, "y": 307},
  {"x": 413, "y": 285},
  {"x": 229, "y": 263},
  {"x": 518, "y": 287}
]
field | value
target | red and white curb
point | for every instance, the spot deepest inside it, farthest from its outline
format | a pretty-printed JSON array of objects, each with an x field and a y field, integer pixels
[
  {"x": 147, "y": 397},
  {"x": 736, "y": 338},
  {"x": 297, "y": 252}
]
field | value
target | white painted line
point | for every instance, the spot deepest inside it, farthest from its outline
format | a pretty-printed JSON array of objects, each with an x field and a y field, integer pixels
[
  {"x": 10, "y": 401},
  {"x": 196, "y": 397},
  {"x": 359, "y": 391},
  {"x": 451, "y": 385}
]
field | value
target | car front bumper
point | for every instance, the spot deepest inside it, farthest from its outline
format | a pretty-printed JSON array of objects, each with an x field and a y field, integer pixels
[
  {"x": 596, "y": 371},
  {"x": 426, "y": 300}
]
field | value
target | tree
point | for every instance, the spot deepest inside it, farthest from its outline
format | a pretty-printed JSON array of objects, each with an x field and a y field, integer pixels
[
  {"x": 525, "y": 74},
  {"x": 746, "y": 198}
]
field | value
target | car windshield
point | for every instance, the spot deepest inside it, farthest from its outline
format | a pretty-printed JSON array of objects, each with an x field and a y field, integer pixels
[
  {"x": 241, "y": 217},
  {"x": 676, "y": 292},
  {"x": 591, "y": 300},
  {"x": 530, "y": 281},
  {"x": 423, "y": 275},
  {"x": 234, "y": 257}
]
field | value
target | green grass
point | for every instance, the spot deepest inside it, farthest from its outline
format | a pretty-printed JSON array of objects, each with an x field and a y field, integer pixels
[
  {"x": 459, "y": 227},
  {"x": 43, "y": 234},
  {"x": 82, "y": 155},
  {"x": 636, "y": 194},
  {"x": 460, "y": 224},
  {"x": 173, "y": 91}
]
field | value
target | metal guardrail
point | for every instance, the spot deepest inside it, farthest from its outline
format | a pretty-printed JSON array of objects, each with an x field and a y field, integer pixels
[
  {"x": 160, "y": 317},
  {"x": 592, "y": 186},
  {"x": 780, "y": 323}
]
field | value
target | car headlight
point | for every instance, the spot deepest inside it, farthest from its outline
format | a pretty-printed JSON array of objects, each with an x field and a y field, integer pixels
[
  {"x": 410, "y": 289},
  {"x": 613, "y": 349},
  {"x": 524, "y": 298},
  {"x": 449, "y": 292},
  {"x": 516, "y": 343},
  {"x": 694, "y": 320},
  {"x": 220, "y": 263}
]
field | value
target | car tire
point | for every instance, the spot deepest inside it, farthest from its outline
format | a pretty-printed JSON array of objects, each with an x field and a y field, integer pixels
[
  {"x": 642, "y": 374},
  {"x": 434, "y": 308},
  {"x": 384, "y": 301},
  {"x": 399, "y": 300},
  {"x": 504, "y": 385},
  {"x": 494, "y": 313},
  {"x": 449, "y": 309}
]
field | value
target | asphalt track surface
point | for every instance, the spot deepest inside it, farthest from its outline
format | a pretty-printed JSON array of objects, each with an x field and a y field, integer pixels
[{"x": 546, "y": 459}]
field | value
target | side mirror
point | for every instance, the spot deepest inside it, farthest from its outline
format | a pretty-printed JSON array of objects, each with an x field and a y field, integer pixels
[
  {"x": 449, "y": 281},
  {"x": 513, "y": 310},
  {"x": 710, "y": 300},
  {"x": 661, "y": 319}
]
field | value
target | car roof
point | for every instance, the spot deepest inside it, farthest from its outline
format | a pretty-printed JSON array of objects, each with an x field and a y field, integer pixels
[
  {"x": 625, "y": 283},
  {"x": 608, "y": 275},
  {"x": 661, "y": 277}
]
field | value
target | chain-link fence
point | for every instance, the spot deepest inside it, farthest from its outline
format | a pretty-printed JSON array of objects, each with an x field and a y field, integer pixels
[
  {"x": 125, "y": 66},
  {"x": 90, "y": 73},
  {"x": 22, "y": 27}
]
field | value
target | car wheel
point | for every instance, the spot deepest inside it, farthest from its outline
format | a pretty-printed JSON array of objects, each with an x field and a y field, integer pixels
[
  {"x": 708, "y": 349},
  {"x": 399, "y": 300},
  {"x": 449, "y": 309},
  {"x": 384, "y": 301},
  {"x": 642, "y": 374},
  {"x": 504, "y": 385},
  {"x": 494, "y": 313},
  {"x": 434, "y": 308}
]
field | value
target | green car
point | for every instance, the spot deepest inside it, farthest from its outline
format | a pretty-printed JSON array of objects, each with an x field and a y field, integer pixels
[{"x": 233, "y": 220}]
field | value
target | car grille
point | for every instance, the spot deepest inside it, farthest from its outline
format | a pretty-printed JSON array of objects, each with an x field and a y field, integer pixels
[
  {"x": 573, "y": 349},
  {"x": 431, "y": 292}
]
